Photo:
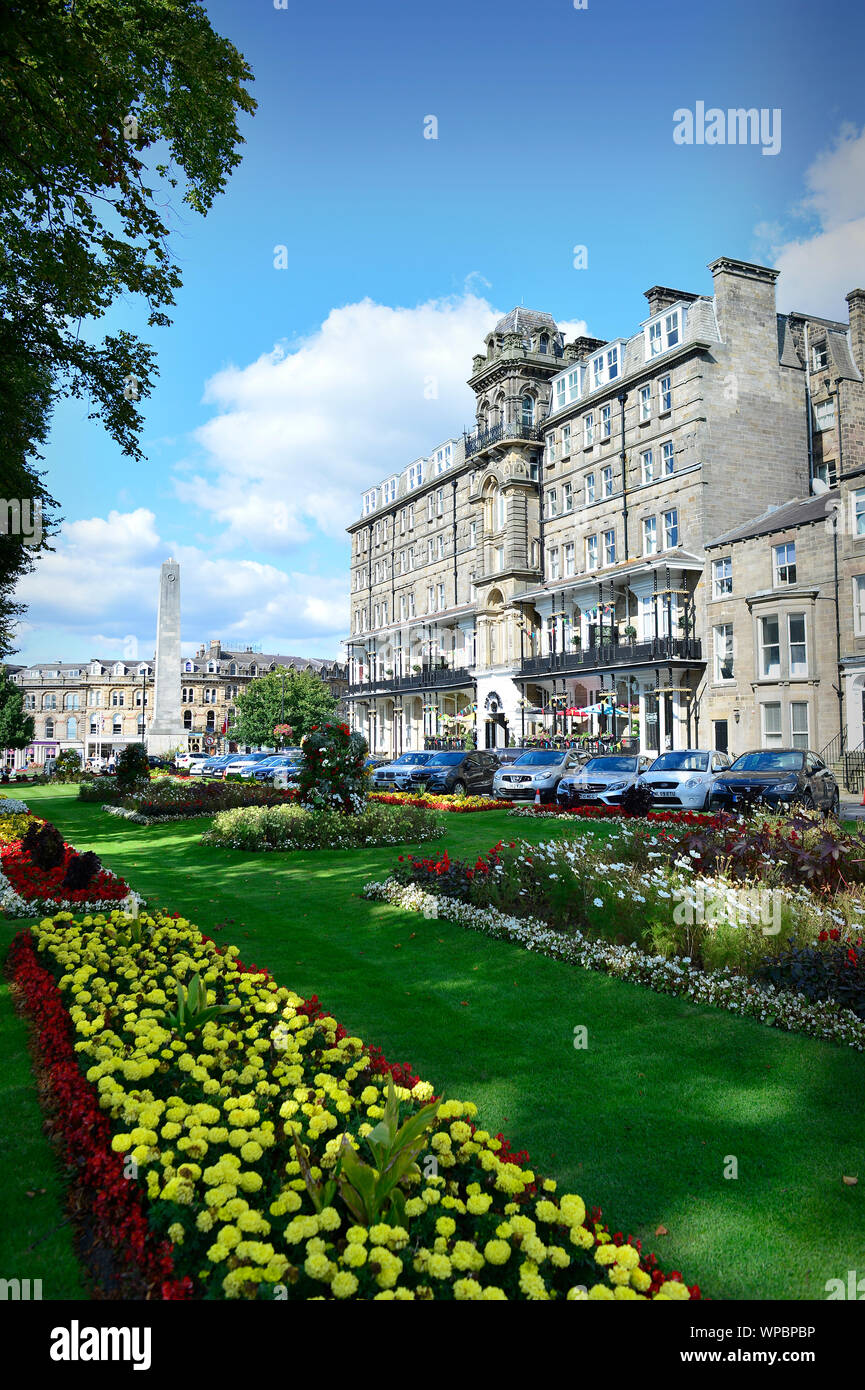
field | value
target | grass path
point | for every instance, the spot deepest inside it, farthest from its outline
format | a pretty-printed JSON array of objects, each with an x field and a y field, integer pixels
[{"x": 642, "y": 1122}]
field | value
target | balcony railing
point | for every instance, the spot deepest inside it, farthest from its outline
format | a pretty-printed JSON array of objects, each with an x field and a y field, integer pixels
[
  {"x": 428, "y": 676},
  {"x": 497, "y": 434},
  {"x": 614, "y": 654}
]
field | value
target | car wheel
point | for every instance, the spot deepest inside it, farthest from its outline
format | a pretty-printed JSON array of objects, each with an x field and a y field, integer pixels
[
  {"x": 459, "y": 787},
  {"x": 807, "y": 800},
  {"x": 707, "y": 804},
  {"x": 835, "y": 804}
]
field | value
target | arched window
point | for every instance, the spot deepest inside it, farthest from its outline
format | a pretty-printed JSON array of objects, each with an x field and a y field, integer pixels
[
  {"x": 232, "y": 670},
  {"x": 528, "y": 410},
  {"x": 187, "y": 719},
  {"x": 72, "y": 728},
  {"x": 141, "y": 723},
  {"x": 543, "y": 343},
  {"x": 187, "y": 666},
  {"x": 70, "y": 702},
  {"x": 211, "y": 720},
  {"x": 94, "y": 724},
  {"x": 117, "y": 726},
  {"x": 49, "y": 728}
]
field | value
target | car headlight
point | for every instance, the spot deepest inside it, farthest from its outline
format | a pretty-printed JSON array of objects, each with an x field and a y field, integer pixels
[
  {"x": 789, "y": 784},
  {"x": 694, "y": 782},
  {"x": 616, "y": 786}
]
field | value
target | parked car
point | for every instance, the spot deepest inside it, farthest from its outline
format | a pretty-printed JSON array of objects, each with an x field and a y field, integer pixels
[
  {"x": 538, "y": 770},
  {"x": 215, "y": 767},
  {"x": 456, "y": 772},
  {"x": 777, "y": 777},
  {"x": 603, "y": 780},
  {"x": 395, "y": 776},
  {"x": 242, "y": 763},
  {"x": 266, "y": 770},
  {"x": 248, "y": 765},
  {"x": 190, "y": 761},
  {"x": 685, "y": 777}
]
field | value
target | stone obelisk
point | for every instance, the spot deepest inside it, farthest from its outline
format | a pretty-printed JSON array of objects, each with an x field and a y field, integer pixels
[{"x": 166, "y": 732}]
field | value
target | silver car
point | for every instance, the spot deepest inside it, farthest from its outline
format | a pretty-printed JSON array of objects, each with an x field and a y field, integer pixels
[
  {"x": 685, "y": 777},
  {"x": 536, "y": 772},
  {"x": 602, "y": 781},
  {"x": 396, "y": 776}
]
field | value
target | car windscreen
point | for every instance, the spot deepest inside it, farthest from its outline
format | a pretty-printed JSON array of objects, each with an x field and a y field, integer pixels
[
  {"x": 412, "y": 758},
  {"x": 610, "y": 764},
  {"x": 446, "y": 759},
  {"x": 764, "y": 761},
  {"x": 540, "y": 759},
  {"x": 681, "y": 762}
]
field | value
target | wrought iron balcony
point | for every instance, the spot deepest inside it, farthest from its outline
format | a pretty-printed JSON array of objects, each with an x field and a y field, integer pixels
[
  {"x": 435, "y": 677},
  {"x": 607, "y": 654},
  {"x": 498, "y": 434}
]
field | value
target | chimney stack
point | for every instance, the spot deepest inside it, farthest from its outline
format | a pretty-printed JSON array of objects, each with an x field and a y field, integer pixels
[
  {"x": 856, "y": 304},
  {"x": 660, "y": 297}
]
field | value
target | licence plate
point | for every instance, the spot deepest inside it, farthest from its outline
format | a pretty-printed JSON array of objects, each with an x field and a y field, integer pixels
[{"x": 663, "y": 793}]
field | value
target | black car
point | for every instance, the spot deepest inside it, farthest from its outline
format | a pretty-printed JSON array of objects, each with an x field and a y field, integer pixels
[
  {"x": 777, "y": 777},
  {"x": 461, "y": 773}
]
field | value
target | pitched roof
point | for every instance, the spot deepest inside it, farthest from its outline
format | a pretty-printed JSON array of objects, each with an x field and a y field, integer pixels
[{"x": 803, "y": 511}]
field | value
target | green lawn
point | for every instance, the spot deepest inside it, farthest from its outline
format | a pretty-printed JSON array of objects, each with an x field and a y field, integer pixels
[{"x": 641, "y": 1123}]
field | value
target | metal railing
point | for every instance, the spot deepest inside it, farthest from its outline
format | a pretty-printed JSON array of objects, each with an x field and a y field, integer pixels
[
  {"x": 428, "y": 676},
  {"x": 614, "y": 654},
  {"x": 497, "y": 434}
]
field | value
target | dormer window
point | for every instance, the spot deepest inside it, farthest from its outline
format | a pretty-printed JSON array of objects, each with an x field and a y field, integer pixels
[
  {"x": 187, "y": 666},
  {"x": 415, "y": 475},
  {"x": 119, "y": 669},
  {"x": 543, "y": 343},
  {"x": 560, "y": 393},
  {"x": 388, "y": 492},
  {"x": 664, "y": 332},
  {"x": 819, "y": 357},
  {"x": 369, "y": 501}
]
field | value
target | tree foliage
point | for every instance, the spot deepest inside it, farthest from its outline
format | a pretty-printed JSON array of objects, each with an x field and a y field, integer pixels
[
  {"x": 260, "y": 708},
  {"x": 16, "y": 727},
  {"x": 111, "y": 110}
]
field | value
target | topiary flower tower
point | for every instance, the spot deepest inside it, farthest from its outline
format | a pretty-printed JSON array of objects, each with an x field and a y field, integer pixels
[{"x": 332, "y": 774}]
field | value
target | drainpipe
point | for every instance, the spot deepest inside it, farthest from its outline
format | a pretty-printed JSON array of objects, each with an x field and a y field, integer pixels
[
  {"x": 839, "y": 689},
  {"x": 454, "y": 487},
  {"x": 622, "y": 397},
  {"x": 541, "y": 511},
  {"x": 809, "y": 421}
]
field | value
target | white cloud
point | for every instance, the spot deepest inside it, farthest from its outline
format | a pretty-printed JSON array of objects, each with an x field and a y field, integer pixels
[
  {"x": 301, "y": 431},
  {"x": 99, "y": 587},
  {"x": 819, "y": 266}
]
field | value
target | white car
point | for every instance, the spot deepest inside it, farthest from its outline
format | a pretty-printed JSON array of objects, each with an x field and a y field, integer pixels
[
  {"x": 243, "y": 764},
  {"x": 190, "y": 760},
  {"x": 685, "y": 777}
]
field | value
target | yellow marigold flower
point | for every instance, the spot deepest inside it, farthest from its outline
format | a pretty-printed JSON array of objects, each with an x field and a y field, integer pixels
[
  {"x": 479, "y": 1205},
  {"x": 547, "y": 1211},
  {"x": 606, "y": 1254},
  {"x": 640, "y": 1280},
  {"x": 582, "y": 1238},
  {"x": 318, "y": 1266},
  {"x": 460, "y": 1131},
  {"x": 573, "y": 1209},
  {"x": 354, "y": 1256},
  {"x": 627, "y": 1257},
  {"x": 559, "y": 1257},
  {"x": 176, "y": 1233},
  {"x": 251, "y": 1152},
  {"x": 329, "y": 1219},
  {"x": 619, "y": 1276},
  {"x": 415, "y": 1206},
  {"x": 497, "y": 1252},
  {"x": 577, "y": 1293},
  {"x": 439, "y": 1266},
  {"x": 672, "y": 1291},
  {"x": 343, "y": 1284},
  {"x": 493, "y": 1294},
  {"x": 445, "y": 1225},
  {"x": 600, "y": 1291},
  {"x": 624, "y": 1292},
  {"x": 356, "y": 1235},
  {"x": 467, "y": 1290}
]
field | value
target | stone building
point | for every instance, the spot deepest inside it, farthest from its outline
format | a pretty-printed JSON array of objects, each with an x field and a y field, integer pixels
[
  {"x": 553, "y": 559},
  {"x": 99, "y": 706}
]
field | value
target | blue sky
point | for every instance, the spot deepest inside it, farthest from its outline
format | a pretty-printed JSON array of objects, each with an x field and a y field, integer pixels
[{"x": 284, "y": 392}]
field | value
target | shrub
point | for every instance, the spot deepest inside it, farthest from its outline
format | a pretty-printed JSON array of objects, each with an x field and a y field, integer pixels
[
  {"x": 637, "y": 800},
  {"x": 834, "y": 970},
  {"x": 44, "y": 844},
  {"x": 332, "y": 772},
  {"x": 81, "y": 870},
  {"x": 132, "y": 766},
  {"x": 68, "y": 766},
  {"x": 294, "y": 827}
]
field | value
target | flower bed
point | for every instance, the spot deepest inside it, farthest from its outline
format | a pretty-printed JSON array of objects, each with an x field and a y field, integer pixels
[
  {"x": 26, "y": 889},
  {"x": 719, "y": 988},
  {"x": 171, "y": 800},
  {"x": 295, "y": 827},
  {"x": 672, "y": 817},
  {"x": 459, "y": 804},
  {"x": 236, "y": 1133}
]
